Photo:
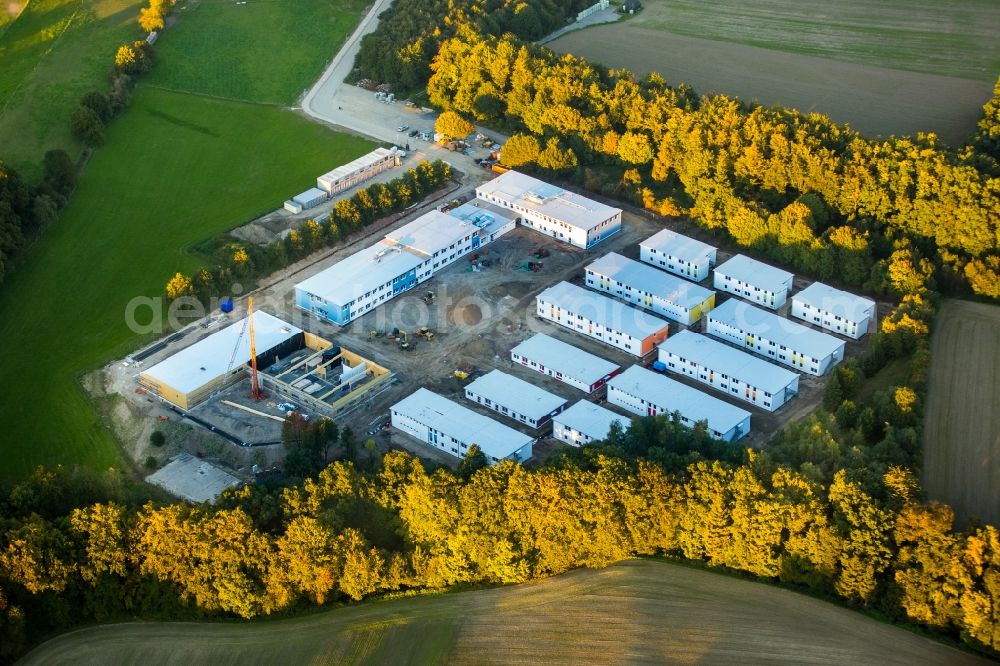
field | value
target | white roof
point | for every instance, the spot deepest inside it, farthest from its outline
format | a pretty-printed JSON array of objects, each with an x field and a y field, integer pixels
[
  {"x": 541, "y": 197},
  {"x": 310, "y": 195},
  {"x": 644, "y": 277},
  {"x": 431, "y": 232},
  {"x": 727, "y": 360},
  {"x": 484, "y": 215},
  {"x": 602, "y": 310},
  {"x": 516, "y": 394},
  {"x": 400, "y": 251},
  {"x": 678, "y": 245},
  {"x": 194, "y": 366},
  {"x": 592, "y": 420},
  {"x": 453, "y": 420},
  {"x": 566, "y": 359},
  {"x": 359, "y": 164},
  {"x": 777, "y": 329},
  {"x": 843, "y": 303},
  {"x": 676, "y": 397},
  {"x": 363, "y": 271},
  {"x": 192, "y": 479},
  {"x": 751, "y": 271}
]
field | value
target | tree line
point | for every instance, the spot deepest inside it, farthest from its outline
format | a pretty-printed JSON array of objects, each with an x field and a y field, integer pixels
[
  {"x": 346, "y": 535},
  {"x": 399, "y": 51},
  {"x": 240, "y": 261},
  {"x": 799, "y": 188},
  {"x": 26, "y": 209}
]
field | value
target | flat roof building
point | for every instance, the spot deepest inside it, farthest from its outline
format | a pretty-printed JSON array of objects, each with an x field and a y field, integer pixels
[
  {"x": 359, "y": 170},
  {"x": 570, "y": 365},
  {"x": 515, "y": 398},
  {"x": 192, "y": 479},
  {"x": 452, "y": 428},
  {"x": 647, "y": 393},
  {"x": 679, "y": 254},
  {"x": 214, "y": 362},
  {"x": 551, "y": 210},
  {"x": 835, "y": 310},
  {"x": 494, "y": 221},
  {"x": 754, "y": 280},
  {"x": 585, "y": 422},
  {"x": 601, "y": 318},
  {"x": 404, "y": 258},
  {"x": 649, "y": 288},
  {"x": 736, "y": 373},
  {"x": 774, "y": 337}
]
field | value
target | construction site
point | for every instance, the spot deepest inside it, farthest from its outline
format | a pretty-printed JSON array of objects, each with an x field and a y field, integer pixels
[{"x": 440, "y": 334}]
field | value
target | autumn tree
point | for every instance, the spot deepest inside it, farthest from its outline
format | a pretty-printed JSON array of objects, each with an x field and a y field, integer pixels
[
  {"x": 453, "y": 125},
  {"x": 179, "y": 285},
  {"x": 520, "y": 149}
]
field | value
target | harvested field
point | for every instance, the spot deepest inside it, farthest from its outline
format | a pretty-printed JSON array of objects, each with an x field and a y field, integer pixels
[
  {"x": 962, "y": 432},
  {"x": 635, "y": 611},
  {"x": 873, "y": 100}
]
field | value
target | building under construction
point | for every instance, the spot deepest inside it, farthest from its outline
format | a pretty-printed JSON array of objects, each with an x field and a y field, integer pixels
[{"x": 298, "y": 366}]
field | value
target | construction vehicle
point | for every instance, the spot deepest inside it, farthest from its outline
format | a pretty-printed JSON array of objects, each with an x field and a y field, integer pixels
[
  {"x": 428, "y": 298},
  {"x": 374, "y": 334},
  {"x": 402, "y": 339},
  {"x": 541, "y": 253},
  {"x": 425, "y": 333}
]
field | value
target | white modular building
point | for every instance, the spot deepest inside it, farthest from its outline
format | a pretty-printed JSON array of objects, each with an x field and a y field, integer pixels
[
  {"x": 835, "y": 310},
  {"x": 570, "y": 365},
  {"x": 601, "y": 318},
  {"x": 404, "y": 258},
  {"x": 775, "y": 337},
  {"x": 649, "y": 288},
  {"x": 452, "y": 428},
  {"x": 365, "y": 167},
  {"x": 754, "y": 280},
  {"x": 584, "y": 423},
  {"x": 515, "y": 398},
  {"x": 551, "y": 210},
  {"x": 736, "y": 373},
  {"x": 647, "y": 393},
  {"x": 679, "y": 254}
]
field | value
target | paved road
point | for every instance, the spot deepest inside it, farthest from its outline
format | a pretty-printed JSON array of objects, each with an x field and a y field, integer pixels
[{"x": 332, "y": 101}]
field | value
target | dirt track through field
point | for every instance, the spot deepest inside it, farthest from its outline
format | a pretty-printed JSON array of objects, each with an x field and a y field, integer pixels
[
  {"x": 873, "y": 100},
  {"x": 962, "y": 432},
  {"x": 632, "y": 612}
]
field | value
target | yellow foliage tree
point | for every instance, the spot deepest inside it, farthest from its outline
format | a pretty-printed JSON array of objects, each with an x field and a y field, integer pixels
[{"x": 179, "y": 285}]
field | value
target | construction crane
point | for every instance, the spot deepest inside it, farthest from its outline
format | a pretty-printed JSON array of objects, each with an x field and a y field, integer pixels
[{"x": 255, "y": 392}]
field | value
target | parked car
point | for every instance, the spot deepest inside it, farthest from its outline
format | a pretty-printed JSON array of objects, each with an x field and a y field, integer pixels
[
  {"x": 414, "y": 133},
  {"x": 402, "y": 128}
]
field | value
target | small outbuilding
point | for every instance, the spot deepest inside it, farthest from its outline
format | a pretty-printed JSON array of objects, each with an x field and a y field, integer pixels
[{"x": 585, "y": 422}]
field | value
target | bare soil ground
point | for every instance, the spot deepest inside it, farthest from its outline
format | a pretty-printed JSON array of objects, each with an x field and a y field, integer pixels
[
  {"x": 632, "y": 612},
  {"x": 873, "y": 100},
  {"x": 962, "y": 430}
]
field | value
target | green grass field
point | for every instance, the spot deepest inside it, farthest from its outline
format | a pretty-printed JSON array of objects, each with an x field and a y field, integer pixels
[
  {"x": 956, "y": 38},
  {"x": 219, "y": 47},
  {"x": 176, "y": 169},
  {"x": 54, "y": 52},
  {"x": 632, "y": 612}
]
